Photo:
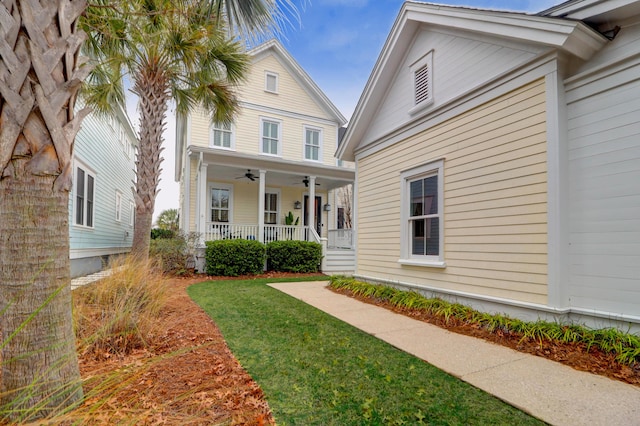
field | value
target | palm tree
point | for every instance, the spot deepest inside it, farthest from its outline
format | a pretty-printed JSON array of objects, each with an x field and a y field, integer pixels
[
  {"x": 40, "y": 75},
  {"x": 170, "y": 50},
  {"x": 168, "y": 219}
]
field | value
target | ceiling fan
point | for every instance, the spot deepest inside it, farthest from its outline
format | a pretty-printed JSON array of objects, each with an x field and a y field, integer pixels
[
  {"x": 306, "y": 182},
  {"x": 249, "y": 176}
]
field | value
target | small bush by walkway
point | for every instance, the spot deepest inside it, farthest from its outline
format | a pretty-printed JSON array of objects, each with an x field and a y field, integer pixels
[{"x": 315, "y": 369}]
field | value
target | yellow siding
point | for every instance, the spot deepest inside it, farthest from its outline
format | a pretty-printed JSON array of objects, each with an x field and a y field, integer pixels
[
  {"x": 292, "y": 106},
  {"x": 290, "y": 94},
  {"x": 495, "y": 200}
]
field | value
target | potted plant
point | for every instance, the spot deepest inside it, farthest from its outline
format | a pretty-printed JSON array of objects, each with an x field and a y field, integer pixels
[{"x": 290, "y": 221}]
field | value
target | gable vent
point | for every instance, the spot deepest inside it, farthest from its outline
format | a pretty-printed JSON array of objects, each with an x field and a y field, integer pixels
[{"x": 421, "y": 77}]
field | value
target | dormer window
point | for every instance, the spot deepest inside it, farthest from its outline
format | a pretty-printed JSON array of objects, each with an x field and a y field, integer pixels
[
  {"x": 422, "y": 74},
  {"x": 271, "y": 82}
]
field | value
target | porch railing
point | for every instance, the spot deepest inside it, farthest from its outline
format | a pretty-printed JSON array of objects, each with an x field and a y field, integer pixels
[
  {"x": 340, "y": 238},
  {"x": 229, "y": 231}
]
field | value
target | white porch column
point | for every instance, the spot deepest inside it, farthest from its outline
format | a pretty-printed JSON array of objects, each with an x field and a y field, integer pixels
[
  {"x": 202, "y": 201},
  {"x": 311, "y": 207},
  {"x": 262, "y": 185}
]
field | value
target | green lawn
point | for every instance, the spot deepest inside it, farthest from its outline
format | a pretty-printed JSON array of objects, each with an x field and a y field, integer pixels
[{"x": 317, "y": 370}]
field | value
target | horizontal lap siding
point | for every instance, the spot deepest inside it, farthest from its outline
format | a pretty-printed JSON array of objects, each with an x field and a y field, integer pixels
[
  {"x": 495, "y": 202},
  {"x": 604, "y": 180},
  {"x": 98, "y": 147}
]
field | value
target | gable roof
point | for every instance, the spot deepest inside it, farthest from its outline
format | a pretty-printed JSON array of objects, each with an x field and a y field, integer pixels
[
  {"x": 573, "y": 37},
  {"x": 594, "y": 11},
  {"x": 274, "y": 47}
]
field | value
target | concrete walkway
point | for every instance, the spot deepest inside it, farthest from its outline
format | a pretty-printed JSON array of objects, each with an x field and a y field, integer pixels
[
  {"x": 88, "y": 279},
  {"x": 545, "y": 389}
]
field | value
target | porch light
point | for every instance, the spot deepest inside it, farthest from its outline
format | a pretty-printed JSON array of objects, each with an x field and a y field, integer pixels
[
  {"x": 297, "y": 205},
  {"x": 327, "y": 207}
]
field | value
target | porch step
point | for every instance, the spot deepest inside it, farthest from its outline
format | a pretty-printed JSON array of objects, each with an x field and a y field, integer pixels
[{"x": 340, "y": 261}]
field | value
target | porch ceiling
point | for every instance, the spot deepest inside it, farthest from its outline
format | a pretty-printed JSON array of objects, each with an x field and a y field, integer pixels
[{"x": 229, "y": 166}]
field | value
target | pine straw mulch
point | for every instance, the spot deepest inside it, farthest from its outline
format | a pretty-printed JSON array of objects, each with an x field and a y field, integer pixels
[
  {"x": 575, "y": 355},
  {"x": 189, "y": 376},
  {"x": 186, "y": 375}
]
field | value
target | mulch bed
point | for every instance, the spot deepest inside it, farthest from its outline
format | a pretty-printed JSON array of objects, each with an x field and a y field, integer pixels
[{"x": 574, "y": 355}]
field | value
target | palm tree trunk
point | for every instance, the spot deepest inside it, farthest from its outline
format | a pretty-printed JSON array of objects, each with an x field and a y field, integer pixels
[
  {"x": 40, "y": 74},
  {"x": 39, "y": 363},
  {"x": 152, "y": 88}
]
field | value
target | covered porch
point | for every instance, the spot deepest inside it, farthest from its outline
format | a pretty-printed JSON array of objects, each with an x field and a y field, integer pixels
[{"x": 264, "y": 198}]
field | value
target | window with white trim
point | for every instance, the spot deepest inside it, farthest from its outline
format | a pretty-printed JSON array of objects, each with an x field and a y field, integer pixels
[
  {"x": 118, "y": 206},
  {"x": 422, "y": 75},
  {"x": 312, "y": 144},
  {"x": 271, "y": 82},
  {"x": 270, "y": 137},
  {"x": 222, "y": 135},
  {"x": 422, "y": 215},
  {"x": 271, "y": 208},
  {"x": 84, "y": 197},
  {"x": 132, "y": 213},
  {"x": 220, "y": 203}
]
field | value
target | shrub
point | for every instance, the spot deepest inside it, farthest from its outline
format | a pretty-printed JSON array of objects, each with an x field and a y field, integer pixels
[
  {"x": 175, "y": 255},
  {"x": 157, "y": 233},
  {"x": 115, "y": 315},
  {"x": 294, "y": 256},
  {"x": 232, "y": 258}
]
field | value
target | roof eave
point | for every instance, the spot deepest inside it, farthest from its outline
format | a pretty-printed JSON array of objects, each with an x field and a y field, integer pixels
[{"x": 572, "y": 37}]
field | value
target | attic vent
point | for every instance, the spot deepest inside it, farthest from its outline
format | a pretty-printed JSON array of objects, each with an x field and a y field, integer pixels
[{"x": 421, "y": 77}]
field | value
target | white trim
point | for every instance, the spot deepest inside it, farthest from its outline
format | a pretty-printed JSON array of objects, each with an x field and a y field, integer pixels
[
  {"x": 219, "y": 185},
  {"x": 529, "y": 311},
  {"x": 435, "y": 167},
  {"x": 118, "y": 206},
  {"x": 232, "y": 136},
  {"x": 290, "y": 114},
  {"x": 425, "y": 61},
  {"x": 306, "y": 127},
  {"x": 557, "y": 193},
  {"x": 298, "y": 74},
  {"x": 88, "y": 172},
  {"x": 132, "y": 213},
  {"x": 276, "y": 79},
  {"x": 505, "y": 83},
  {"x": 572, "y": 37},
  {"x": 279, "y": 137},
  {"x": 277, "y": 192},
  {"x": 93, "y": 252}
]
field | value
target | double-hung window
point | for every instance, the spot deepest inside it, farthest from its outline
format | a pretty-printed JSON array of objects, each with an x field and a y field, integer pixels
[
  {"x": 118, "y": 206},
  {"x": 271, "y": 208},
  {"x": 84, "y": 197},
  {"x": 222, "y": 135},
  {"x": 312, "y": 144},
  {"x": 132, "y": 213},
  {"x": 422, "y": 216},
  {"x": 220, "y": 204},
  {"x": 270, "y": 135}
]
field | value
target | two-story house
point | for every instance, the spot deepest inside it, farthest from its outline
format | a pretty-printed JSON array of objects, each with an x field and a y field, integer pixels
[
  {"x": 101, "y": 207},
  {"x": 243, "y": 180}
]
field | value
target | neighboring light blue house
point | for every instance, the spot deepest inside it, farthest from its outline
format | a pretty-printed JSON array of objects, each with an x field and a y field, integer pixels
[{"x": 101, "y": 205}]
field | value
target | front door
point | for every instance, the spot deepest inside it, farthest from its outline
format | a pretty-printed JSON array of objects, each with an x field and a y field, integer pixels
[{"x": 318, "y": 207}]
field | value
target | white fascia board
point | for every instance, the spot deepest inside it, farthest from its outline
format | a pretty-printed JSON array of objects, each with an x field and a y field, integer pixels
[
  {"x": 586, "y": 9},
  {"x": 298, "y": 73},
  {"x": 573, "y": 37}
]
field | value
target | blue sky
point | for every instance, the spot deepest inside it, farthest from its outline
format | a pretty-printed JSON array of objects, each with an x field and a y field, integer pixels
[{"x": 337, "y": 42}]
